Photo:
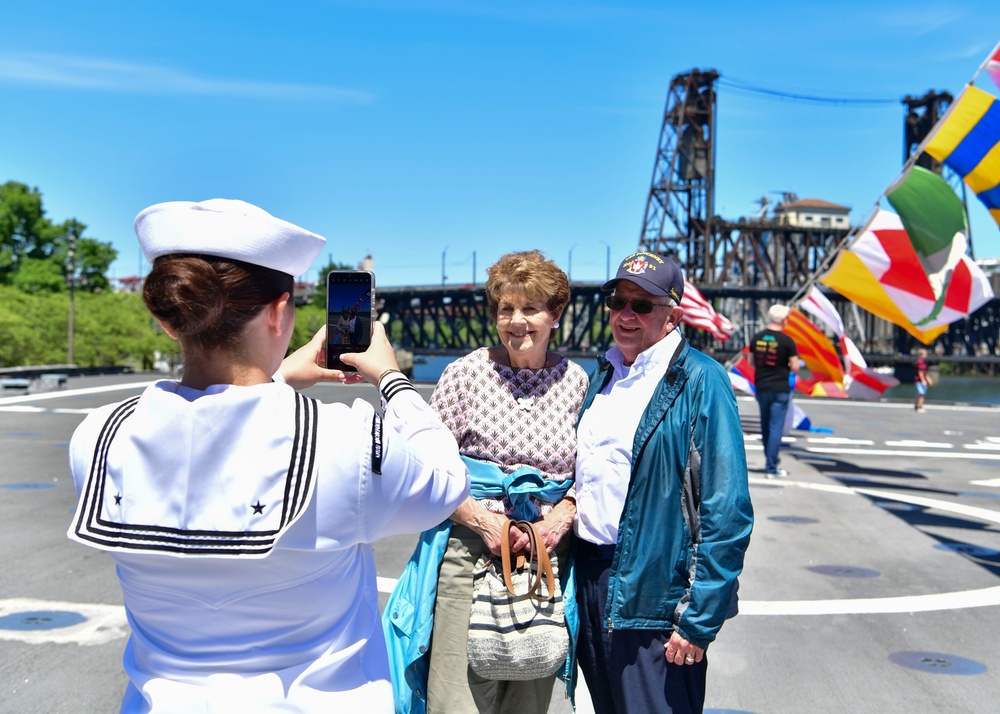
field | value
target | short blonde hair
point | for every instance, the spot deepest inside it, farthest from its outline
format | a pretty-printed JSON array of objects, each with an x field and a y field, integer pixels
[{"x": 530, "y": 275}]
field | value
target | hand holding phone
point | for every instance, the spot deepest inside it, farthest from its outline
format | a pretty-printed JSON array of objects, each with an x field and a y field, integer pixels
[
  {"x": 350, "y": 297},
  {"x": 376, "y": 360}
]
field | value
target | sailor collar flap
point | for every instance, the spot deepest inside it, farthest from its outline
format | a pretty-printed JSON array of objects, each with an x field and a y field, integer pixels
[{"x": 128, "y": 508}]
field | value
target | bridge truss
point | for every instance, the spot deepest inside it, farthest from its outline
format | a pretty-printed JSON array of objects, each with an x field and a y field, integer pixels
[
  {"x": 455, "y": 320},
  {"x": 740, "y": 266}
]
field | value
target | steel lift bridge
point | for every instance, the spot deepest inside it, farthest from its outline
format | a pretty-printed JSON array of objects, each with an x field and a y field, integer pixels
[{"x": 741, "y": 266}]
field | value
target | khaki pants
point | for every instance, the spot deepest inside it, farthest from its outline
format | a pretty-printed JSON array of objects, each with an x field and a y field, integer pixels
[{"x": 452, "y": 687}]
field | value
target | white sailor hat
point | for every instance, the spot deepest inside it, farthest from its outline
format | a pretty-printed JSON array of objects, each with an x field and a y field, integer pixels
[{"x": 226, "y": 229}]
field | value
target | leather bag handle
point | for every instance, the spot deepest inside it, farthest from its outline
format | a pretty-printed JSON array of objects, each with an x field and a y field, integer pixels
[{"x": 537, "y": 554}]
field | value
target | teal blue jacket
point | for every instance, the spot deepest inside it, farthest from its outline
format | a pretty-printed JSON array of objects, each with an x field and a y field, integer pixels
[
  {"x": 686, "y": 522},
  {"x": 408, "y": 618}
]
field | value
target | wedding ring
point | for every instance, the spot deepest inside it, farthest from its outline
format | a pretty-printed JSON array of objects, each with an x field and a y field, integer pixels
[{"x": 689, "y": 659}]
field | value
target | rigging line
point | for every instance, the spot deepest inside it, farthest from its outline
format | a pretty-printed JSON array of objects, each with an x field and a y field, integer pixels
[
  {"x": 859, "y": 229},
  {"x": 736, "y": 84},
  {"x": 907, "y": 166}
]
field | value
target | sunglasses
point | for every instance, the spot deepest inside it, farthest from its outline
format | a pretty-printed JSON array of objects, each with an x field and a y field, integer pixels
[{"x": 639, "y": 307}]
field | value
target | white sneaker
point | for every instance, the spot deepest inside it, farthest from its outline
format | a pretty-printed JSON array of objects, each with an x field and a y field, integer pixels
[{"x": 779, "y": 473}]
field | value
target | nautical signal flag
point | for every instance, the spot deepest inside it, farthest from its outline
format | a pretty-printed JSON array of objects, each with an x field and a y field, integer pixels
[
  {"x": 826, "y": 375},
  {"x": 967, "y": 139},
  {"x": 816, "y": 350},
  {"x": 862, "y": 382},
  {"x": 992, "y": 65},
  {"x": 934, "y": 219},
  {"x": 820, "y": 307},
  {"x": 922, "y": 282},
  {"x": 742, "y": 373}
]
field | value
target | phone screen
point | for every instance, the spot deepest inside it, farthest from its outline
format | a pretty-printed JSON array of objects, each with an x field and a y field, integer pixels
[{"x": 349, "y": 298}]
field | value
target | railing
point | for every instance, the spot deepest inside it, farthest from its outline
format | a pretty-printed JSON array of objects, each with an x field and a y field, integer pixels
[{"x": 455, "y": 319}]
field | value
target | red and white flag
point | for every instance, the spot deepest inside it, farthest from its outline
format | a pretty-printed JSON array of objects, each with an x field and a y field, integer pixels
[
  {"x": 992, "y": 65},
  {"x": 861, "y": 381},
  {"x": 820, "y": 307},
  {"x": 699, "y": 313}
]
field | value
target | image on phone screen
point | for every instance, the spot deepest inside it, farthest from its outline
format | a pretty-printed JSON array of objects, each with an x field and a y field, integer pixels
[{"x": 349, "y": 297}]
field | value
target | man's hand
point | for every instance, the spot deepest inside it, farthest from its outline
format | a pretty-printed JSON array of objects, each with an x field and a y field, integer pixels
[{"x": 680, "y": 651}]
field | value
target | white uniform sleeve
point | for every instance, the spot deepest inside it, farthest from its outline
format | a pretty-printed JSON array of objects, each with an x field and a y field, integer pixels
[{"x": 423, "y": 479}]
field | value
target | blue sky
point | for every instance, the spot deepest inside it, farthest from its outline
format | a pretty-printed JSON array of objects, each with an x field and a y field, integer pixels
[{"x": 447, "y": 132}]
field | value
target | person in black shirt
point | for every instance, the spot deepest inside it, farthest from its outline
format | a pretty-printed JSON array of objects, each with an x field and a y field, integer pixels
[{"x": 774, "y": 357}]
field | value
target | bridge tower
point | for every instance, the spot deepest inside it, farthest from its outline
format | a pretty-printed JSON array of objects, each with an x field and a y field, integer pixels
[
  {"x": 922, "y": 113},
  {"x": 681, "y": 200}
]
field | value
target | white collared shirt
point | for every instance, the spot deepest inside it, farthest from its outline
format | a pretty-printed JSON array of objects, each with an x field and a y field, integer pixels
[{"x": 605, "y": 435}]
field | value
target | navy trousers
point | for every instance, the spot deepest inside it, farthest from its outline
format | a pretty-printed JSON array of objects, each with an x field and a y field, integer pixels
[
  {"x": 773, "y": 407},
  {"x": 626, "y": 670}
]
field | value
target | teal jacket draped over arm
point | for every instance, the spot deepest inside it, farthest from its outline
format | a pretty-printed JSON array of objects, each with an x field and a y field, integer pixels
[{"x": 408, "y": 618}]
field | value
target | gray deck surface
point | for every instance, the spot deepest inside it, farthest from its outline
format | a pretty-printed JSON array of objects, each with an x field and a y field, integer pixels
[{"x": 872, "y": 583}]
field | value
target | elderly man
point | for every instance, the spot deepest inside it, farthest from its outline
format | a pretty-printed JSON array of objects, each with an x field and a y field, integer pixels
[{"x": 664, "y": 514}]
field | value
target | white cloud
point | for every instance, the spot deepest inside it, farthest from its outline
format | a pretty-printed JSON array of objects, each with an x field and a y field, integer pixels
[
  {"x": 88, "y": 73},
  {"x": 917, "y": 22}
]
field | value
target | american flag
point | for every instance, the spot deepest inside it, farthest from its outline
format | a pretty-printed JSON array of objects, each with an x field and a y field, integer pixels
[{"x": 699, "y": 313}]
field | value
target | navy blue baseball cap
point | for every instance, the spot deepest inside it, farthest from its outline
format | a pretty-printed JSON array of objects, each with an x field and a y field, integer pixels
[{"x": 653, "y": 273}]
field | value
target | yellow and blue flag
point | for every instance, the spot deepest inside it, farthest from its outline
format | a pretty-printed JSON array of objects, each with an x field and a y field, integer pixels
[{"x": 968, "y": 141}]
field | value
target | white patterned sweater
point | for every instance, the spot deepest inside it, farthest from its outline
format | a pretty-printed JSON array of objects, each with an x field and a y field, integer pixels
[{"x": 513, "y": 417}]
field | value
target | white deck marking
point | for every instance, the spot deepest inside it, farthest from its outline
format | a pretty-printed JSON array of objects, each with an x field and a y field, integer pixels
[
  {"x": 894, "y": 452},
  {"x": 920, "y": 443},
  {"x": 990, "y": 443},
  {"x": 957, "y": 600},
  {"x": 839, "y": 440},
  {"x": 59, "y": 394},
  {"x": 108, "y": 622}
]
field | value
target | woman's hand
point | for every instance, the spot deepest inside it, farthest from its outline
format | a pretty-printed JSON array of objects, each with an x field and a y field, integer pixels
[
  {"x": 556, "y": 523},
  {"x": 493, "y": 532},
  {"x": 373, "y": 362},
  {"x": 307, "y": 365},
  {"x": 489, "y": 526}
]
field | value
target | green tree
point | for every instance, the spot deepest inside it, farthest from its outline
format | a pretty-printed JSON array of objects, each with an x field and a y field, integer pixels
[
  {"x": 308, "y": 319},
  {"x": 25, "y": 232},
  {"x": 35, "y": 275},
  {"x": 319, "y": 292},
  {"x": 90, "y": 260},
  {"x": 117, "y": 329},
  {"x": 28, "y": 240}
]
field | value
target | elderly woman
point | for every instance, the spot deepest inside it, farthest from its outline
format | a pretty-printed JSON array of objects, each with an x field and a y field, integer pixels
[
  {"x": 510, "y": 406},
  {"x": 239, "y": 512}
]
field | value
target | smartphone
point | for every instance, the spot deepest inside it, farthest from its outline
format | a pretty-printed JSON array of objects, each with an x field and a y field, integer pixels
[{"x": 350, "y": 295}]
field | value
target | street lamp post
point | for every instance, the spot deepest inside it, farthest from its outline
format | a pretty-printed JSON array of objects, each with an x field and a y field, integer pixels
[
  {"x": 71, "y": 281},
  {"x": 607, "y": 261},
  {"x": 443, "y": 276},
  {"x": 569, "y": 271}
]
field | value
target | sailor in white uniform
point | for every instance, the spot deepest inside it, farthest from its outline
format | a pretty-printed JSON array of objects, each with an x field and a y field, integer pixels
[{"x": 239, "y": 512}]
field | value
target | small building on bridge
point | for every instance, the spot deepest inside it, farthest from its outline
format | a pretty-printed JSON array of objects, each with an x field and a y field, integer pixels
[{"x": 812, "y": 213}]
